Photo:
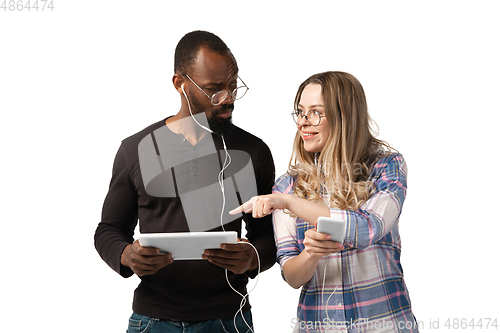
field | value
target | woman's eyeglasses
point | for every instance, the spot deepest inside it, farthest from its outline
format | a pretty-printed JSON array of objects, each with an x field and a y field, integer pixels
[{"x": 313, "y": 116}]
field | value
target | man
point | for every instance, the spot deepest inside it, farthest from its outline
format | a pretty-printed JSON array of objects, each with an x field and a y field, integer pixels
[{"x": 158, "y": 175}]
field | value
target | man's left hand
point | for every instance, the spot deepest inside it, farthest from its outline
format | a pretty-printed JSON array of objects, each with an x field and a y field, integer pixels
[{"x": 237, "y": 258}]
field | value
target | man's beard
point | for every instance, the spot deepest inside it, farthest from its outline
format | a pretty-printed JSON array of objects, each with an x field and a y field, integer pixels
[{"x": 219, "y": 125}]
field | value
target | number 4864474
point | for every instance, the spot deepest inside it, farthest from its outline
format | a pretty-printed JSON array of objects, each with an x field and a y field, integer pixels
[
  {"x": 27, "y": 5},
  {"x": 464, "y": 323}
]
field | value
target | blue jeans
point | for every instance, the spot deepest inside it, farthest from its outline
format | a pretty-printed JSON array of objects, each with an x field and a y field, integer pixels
[{"x": 143, "y": 324}]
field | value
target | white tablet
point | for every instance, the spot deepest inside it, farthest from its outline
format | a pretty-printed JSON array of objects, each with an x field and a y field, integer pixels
[{"x": 188, "y": 245}]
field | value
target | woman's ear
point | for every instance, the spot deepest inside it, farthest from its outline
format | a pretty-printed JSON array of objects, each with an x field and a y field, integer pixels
[{"x": 178, "y": 82}]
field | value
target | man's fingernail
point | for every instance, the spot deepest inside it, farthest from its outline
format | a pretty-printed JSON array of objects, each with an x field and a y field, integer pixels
[{"x": 223, "y": 246}]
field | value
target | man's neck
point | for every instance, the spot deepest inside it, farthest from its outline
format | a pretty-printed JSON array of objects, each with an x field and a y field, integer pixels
[{"x": 186, "y": 126}]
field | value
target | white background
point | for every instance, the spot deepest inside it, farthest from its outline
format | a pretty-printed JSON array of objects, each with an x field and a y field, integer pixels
[{"x": 77, "y": 80}]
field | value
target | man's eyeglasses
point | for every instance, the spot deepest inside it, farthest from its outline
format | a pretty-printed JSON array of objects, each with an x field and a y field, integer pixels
[
  {"x": 220, "y": 96},
  {"x": 314, "y": 116}
]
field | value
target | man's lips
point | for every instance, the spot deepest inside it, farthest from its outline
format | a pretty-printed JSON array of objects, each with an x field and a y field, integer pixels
[{"x": 225, "y": 112}]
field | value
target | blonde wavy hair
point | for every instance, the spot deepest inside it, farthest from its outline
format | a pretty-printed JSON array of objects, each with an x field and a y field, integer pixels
[{"x": 343, "y": 166}]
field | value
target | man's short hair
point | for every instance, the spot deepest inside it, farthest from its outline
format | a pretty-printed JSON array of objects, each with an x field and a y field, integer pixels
[{"x": 189, "y": 45}]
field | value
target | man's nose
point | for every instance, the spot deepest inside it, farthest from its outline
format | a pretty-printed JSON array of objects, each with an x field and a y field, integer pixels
[{"x": 228, "y": 99}]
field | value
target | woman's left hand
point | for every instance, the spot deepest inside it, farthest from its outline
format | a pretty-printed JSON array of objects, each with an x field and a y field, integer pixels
[
  {"x": 318, "y": 244},
  {"x": 262, "y": 205}
]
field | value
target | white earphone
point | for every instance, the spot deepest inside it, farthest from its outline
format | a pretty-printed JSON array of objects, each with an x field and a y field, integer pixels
[
  {"x": 220, "y": 177},
  {"x": 191, "y": 112}
]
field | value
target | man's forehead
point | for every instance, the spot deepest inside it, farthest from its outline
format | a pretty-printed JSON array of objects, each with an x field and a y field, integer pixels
[{"x": 215, "y": 67}]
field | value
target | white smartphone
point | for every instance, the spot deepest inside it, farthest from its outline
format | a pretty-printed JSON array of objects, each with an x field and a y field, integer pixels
[{"x": 335, "y": 227}]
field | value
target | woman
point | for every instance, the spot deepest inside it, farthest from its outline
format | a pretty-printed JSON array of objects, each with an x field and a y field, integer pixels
[{"x": 339, "y": 169}]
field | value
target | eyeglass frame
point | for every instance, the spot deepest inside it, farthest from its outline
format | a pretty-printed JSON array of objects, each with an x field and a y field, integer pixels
[
  {"x": 217, "y": 92},
  {"x": 296, "y": 111}
]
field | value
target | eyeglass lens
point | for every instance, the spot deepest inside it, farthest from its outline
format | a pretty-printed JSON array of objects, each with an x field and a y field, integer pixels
[
  {"x": 313, "y": 117},
  {"x": 221, "y": 96}
]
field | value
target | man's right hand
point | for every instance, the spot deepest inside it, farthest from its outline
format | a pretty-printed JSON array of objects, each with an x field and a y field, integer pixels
[{"x": 144, "y": 260}]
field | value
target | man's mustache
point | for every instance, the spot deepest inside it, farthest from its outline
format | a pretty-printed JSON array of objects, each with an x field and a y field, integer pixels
[{"x": 225, "y": 108}]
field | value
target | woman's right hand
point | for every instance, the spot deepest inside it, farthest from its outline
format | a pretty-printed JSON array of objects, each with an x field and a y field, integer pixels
[
  {"x": 318, "y": 244},
  {"x": 262, "y": 205}
]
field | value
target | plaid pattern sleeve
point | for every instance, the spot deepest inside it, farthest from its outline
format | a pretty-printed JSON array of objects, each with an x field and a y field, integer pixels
[
  {"x": 360, "y": 289},
  {"x": 284, "y": 225}
]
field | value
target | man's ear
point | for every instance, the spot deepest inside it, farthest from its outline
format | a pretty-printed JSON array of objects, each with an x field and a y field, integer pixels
[{"x": 178, "y": 81}]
